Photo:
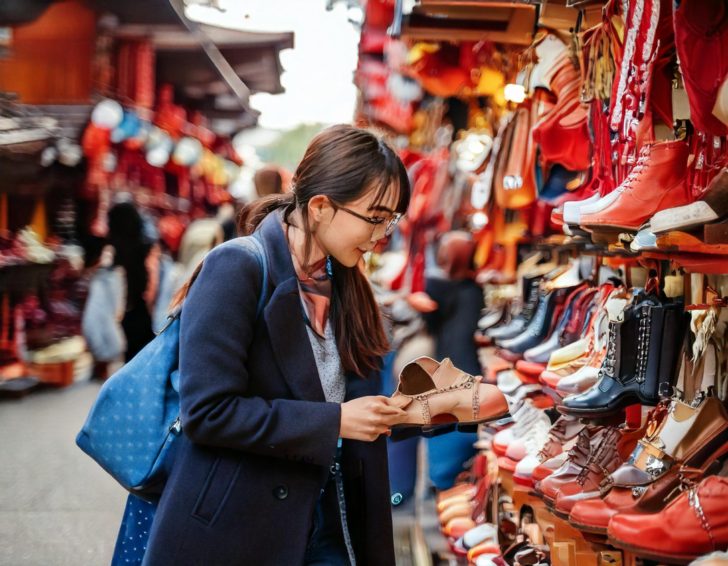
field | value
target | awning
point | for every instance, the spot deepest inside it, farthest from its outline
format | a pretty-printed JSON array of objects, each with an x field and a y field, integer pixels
[{"x": 213, "y": 69}]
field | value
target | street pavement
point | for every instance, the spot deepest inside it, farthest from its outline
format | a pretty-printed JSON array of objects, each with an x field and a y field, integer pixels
[{"x": 57, "y": 506}]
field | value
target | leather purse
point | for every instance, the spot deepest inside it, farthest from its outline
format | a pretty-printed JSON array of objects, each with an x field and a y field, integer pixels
[
  {"x": 133, "y": 425},
  {"x": 563, "y": 133},
  {"x": 514, "y": 178}
]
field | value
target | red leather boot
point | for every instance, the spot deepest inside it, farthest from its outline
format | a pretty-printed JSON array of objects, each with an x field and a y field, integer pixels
[{"x": 658, "y": 183}]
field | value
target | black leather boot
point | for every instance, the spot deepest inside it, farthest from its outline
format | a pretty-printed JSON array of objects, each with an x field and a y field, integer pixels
[
  {"x": 659, "y": 368},
  {"x": 538, "y": 329},
  {"x": 518, "y": 323},
  {"x": 642, "y": 354}
]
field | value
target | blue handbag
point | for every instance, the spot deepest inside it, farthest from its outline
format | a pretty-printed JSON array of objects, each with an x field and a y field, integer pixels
[{"x": 132, "y": 426}]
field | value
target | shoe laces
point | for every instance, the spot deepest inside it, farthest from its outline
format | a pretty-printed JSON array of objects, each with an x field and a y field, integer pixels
[
  {"x": 610, "y": 360},
  {"x": 579, "y": 453},
  {"x": 530, "y": 307},
  {"x": 530, "y": 415},
  {"x": 557, "y": 435},
  {"x": 594, "y": 462},
  {"x": 639, "y": 167},
  {"x": 643, "y": 343}
]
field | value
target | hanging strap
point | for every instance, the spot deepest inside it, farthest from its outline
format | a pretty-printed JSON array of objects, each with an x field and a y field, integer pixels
[{"x": 253, "y": 244}]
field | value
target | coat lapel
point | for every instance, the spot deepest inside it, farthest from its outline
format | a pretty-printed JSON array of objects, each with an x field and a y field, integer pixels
[
  {"x": 283, "y": 316},
  {"x": 291, "y": 345}
]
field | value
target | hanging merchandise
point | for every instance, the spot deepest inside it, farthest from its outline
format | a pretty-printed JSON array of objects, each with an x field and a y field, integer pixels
[
  {"x": 107, "y": 114},
  {"x": 595, "y": 206}
]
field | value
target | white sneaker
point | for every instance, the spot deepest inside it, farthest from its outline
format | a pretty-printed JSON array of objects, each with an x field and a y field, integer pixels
[{"x": 486, "y": 532}]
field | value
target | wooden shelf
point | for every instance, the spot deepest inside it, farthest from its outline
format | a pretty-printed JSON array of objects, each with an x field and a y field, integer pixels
[{"x": 569, "y": 546}]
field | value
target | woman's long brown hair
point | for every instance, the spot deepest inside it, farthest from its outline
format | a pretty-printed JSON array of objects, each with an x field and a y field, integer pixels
[{"x": 343, "y": 163}]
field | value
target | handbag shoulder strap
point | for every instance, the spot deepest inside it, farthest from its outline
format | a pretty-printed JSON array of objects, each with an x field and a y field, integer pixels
[
  {"x": 260, "y": 256},
  {"x": 253, "y": 244}
]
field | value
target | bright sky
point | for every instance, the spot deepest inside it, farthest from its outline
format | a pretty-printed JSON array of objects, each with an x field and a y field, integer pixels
[{"x": 318, "y": 71}]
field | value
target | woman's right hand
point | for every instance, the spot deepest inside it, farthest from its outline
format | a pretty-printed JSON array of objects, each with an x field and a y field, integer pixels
[{"x": 366, "y": 418}]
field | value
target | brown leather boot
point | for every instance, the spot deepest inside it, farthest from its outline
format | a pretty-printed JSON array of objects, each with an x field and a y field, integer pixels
[
  {"x": 587, "y": 441},
  {"x": 614, "y": 450}
]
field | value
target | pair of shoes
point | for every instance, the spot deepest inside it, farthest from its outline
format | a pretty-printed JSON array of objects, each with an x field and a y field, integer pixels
[
  {"x": 608, "y": 448},
  {"x": 626, "y": 376},
  {"x": 437, "y": 393},
  {"x": 692, "y": 524},
  {"x": 617, "y": 445},
  {"x": 518, "y": 323},
  {"x": 629, "y": 206},
  {"x": 481, "y": 539},
  {"x": 527, "y": 417},
  {"x": 565, "y": 466},
  {"x": 681, "y": 441},
  {"x": 561, "y": 437}
]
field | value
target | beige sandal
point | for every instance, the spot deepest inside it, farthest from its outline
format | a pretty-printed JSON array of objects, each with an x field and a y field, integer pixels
[{"x": 434, "y": 393}]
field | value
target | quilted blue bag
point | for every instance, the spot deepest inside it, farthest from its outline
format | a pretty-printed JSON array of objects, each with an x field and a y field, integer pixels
[{"x": 132, "y": 426}]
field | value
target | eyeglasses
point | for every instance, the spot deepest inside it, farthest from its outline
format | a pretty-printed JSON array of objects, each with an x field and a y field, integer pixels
[{"x": 375, "y": 221}]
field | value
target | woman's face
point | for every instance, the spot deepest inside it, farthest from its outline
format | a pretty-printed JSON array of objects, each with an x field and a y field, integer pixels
[{"x": 344, "y": 235}]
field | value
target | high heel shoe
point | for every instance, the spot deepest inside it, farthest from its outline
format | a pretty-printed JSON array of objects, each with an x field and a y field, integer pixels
[{"x": 435, "y": 393}]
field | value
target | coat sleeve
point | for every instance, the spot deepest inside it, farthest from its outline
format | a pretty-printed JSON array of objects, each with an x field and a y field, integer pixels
[{"x": 216, "y": 331}]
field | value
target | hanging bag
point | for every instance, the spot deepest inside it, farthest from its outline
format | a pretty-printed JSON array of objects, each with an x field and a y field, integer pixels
[{"x": 134, "y": 422}]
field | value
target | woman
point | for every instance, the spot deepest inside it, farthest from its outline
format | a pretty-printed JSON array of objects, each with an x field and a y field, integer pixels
[
  {"x": 261, "y": 476},
  {"x": 132, "y": 250}
]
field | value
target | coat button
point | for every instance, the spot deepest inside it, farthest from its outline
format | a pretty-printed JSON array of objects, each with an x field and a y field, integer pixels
[{"x": 281, "y": 492}]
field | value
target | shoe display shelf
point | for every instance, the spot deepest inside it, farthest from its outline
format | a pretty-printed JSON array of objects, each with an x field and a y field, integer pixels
[{"x": 569, "y": 546}]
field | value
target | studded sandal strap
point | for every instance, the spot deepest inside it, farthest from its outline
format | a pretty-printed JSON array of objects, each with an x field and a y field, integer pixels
[{"x": 468, "y": 383}]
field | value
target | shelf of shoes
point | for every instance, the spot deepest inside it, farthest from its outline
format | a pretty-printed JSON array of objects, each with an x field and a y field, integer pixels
[{"x": 569, "y": 546}]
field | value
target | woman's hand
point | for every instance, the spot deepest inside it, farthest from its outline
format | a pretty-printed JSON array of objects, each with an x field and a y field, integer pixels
[{"x": 367, "y": 418}]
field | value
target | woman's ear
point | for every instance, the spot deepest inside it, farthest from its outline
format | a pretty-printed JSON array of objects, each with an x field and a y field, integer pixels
[{"x": 319, "y": 208}]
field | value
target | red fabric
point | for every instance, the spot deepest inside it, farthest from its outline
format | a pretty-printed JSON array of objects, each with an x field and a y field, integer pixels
[
  {"x": 701, "y": 38},
  {"x": 379, "y": 14},
  {"x": 563, "y": 134}
]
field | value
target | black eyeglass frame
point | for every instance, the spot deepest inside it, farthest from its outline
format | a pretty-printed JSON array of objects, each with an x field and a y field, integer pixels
[{"x": 391, "y": 225}]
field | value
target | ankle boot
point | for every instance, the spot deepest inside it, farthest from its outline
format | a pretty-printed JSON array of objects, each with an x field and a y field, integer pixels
[
  {"x": 539, "y": 326},
  {"x": 518, "y": 324},
  {"x": 657, "y": 330},
  {"x": 622, "y": 329},
  {"x": 658, "y": 183}
]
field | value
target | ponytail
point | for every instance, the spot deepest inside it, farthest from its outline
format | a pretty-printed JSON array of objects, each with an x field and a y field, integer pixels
[{"x": 254, "y": 213}]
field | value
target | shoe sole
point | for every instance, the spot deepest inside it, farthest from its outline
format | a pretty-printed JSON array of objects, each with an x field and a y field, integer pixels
[
  {"x": 600, "y": 412},
  {"x": 675, "y": 224},
  {"x": 561, "y": 514},
  {"x": 591, "y": 529},
  {"x": 682, "y": 242},
  {"x": 650, "y": 555},
  {"x": 436, "y": 429},
  {"x": 606, "y": 235}
]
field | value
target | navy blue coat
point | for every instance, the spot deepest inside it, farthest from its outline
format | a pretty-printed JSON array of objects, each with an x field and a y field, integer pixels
[{"x": 259, "y": 437}]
